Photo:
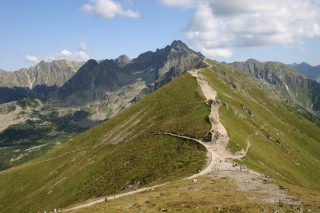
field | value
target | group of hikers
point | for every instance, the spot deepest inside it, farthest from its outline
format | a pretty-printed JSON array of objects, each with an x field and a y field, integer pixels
[{"x": 51, "y": 211}]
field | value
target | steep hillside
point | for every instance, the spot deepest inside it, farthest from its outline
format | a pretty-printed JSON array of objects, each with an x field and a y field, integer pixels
[
  {"x": 311, "y": 72},
  {"x": 287, "y": 80},
  {"x": 36, "y": 81},
  {"x": 116, "y": 156}
]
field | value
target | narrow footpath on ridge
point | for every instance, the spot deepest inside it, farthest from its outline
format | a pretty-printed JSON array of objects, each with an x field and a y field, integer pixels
[{"x": 220, "y": 159}]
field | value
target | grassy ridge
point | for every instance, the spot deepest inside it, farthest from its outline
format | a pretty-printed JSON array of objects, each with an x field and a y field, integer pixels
[
  {"x": 283, "y": 144},
  {"x": 117, "y": 155},
  {"x": 209, "y": 194}
]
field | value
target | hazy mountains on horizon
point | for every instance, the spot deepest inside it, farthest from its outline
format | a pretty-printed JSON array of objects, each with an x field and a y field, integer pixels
[{"x": 311, "y": 72}]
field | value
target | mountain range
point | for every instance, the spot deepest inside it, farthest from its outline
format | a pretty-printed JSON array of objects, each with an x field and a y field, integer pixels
[
  {"x": 108, "y": 86},
  {"x": 72, "y": 97},
  {"x": 37, "y": 81},
  {"x": 192, "y": 128}
]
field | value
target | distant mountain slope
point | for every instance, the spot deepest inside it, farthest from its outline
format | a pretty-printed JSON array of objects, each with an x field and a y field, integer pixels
[
  {"x": 36, "y": 81},
  {"x": 311, "y": 72},
  {"x": 287, "y": 80}
]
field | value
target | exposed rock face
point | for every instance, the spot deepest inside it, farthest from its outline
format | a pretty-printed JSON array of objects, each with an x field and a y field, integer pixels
[
  {"x": 311, "y": 72},
  {"x": 291, "y": 83},
  {"x": 37, "y": 81},
  {"x": 120, "y": 82}
]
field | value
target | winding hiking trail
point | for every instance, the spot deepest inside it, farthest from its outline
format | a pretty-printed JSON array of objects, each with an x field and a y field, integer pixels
[{"x": 220, "y": 159}]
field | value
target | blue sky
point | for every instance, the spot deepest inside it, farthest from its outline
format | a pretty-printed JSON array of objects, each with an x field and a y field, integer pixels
[{"x": 35, "y": 30}]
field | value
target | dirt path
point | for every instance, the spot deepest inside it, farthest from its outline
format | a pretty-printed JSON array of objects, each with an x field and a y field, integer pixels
[
  {"x": 219, "y": 134},
  {"x": 101, "y": 200}
]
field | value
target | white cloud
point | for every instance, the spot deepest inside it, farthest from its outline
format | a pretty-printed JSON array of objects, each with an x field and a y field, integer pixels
[
  {"x": 67, "y": 55},
  {"x": 222, "y": 52},
  {"x": 180, "y": 3},
  {"x": 107, "y": 9},
  {"x": 31, "y": 58},
  {"x": 79, "y": 56},
  {"x": 219, "y": 26}
]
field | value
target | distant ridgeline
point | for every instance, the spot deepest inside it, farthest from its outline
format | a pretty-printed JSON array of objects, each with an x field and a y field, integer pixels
[
  {"x": 292, "y": 85},
  {"x": 311, "y": 72},
  {"x": 37, "y": 81}
]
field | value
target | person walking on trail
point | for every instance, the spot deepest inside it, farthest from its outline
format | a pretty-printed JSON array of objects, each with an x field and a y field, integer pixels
[{"x": 105, "y": 199}]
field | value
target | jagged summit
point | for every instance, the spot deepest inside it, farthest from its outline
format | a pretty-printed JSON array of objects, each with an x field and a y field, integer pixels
[
  {"x": 123, "y": 60},
  {"x": 147, "y": 72},
  {"x": 177, "y": 44}
]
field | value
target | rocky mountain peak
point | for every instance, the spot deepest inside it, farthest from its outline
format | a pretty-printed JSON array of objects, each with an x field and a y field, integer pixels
[
  {"x": 123, "y": 60},
  {"x": 181, "y": 48},
  {"x": 100, "y": 82},
  {"x": 178, "y": 44},
  {"x": 251, "y": 60}
]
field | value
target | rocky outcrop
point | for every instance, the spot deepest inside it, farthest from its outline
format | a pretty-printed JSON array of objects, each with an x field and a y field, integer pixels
[{"x": 287, "y": 80}]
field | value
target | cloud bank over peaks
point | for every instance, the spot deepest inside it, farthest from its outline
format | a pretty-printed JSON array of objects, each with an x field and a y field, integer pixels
[
  {"x": 219, "y": 26},
  {"x": 107, "y": 9},
  {"x": 79, "y": 56}
]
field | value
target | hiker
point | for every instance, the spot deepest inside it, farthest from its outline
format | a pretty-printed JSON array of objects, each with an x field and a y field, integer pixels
[{"x": 105, "y": 199}]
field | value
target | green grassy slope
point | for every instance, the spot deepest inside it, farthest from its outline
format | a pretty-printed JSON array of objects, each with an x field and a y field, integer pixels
[
  {"x": 117, "y": 155},
  {"x": 284, "y": 144}
]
